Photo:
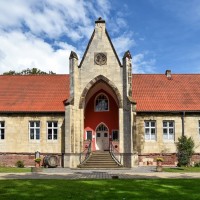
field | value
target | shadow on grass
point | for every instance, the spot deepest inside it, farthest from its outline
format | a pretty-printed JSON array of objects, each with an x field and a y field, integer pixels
[
  {"x": 177, "y": 168},
  {"x": 100, "y": 189}
]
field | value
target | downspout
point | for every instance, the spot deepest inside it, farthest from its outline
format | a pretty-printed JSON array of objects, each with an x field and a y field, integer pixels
[{"x": 183, "y": 125}]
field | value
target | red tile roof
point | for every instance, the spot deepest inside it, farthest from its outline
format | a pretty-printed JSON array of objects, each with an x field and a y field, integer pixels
[
  {"x": 154, "y": 92},
  {"x": 33, "y": 93}
]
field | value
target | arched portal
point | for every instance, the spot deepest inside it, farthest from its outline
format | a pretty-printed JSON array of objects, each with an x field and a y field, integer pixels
[
  {"x": 101, "y": 114},
  {"x": 102, "y": 137},
  {"x": 94, "y": 82}
]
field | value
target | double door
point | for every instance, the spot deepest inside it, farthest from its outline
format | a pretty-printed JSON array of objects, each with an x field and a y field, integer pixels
[{"x": 102, "y": 140}]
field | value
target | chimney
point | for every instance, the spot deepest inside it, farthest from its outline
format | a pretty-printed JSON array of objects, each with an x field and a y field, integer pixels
[{"x": 168, "y": 74}]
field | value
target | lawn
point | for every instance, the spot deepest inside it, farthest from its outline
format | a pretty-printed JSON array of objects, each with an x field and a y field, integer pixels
[
  {"x": 182, "y": 169},
  {"x": 100, "y": 189},
  {"x": 14, "y": 170}
]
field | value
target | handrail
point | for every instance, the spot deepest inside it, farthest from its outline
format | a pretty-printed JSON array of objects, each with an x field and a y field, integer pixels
[
  {"x": 85, "y": 154},
  {"x": 116, "y": 155}
]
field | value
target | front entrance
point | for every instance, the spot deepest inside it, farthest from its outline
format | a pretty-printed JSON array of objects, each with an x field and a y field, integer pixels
[{"x": 102, "y": 138}]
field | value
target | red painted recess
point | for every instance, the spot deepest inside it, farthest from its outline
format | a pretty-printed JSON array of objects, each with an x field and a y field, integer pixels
[{"x": 93, "y": 118}]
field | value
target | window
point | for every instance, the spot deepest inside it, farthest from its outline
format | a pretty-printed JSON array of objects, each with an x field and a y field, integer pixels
[
  {"x": 102, "y": 127},
  {"x": 168, "y": 130},
  {"x": 115, "y": 135},
  {"x": 2, "y": 130},
  {"x": 101, "y": 103},
  {"x": 150, "y": 130},
  {"x": 34, "y": 130},
  {"x": 88, "y": 135},
  {"x": 98, "y": 134},
  {"x": 199, "y": 127},
  {"x": 52, "y": 130}
]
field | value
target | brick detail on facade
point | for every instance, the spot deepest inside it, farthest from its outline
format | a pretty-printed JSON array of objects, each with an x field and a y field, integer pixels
[{"x": 10, "y": 159}]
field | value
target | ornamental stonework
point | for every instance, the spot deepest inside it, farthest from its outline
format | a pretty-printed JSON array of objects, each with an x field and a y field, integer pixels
[{"x": 100, "y": 58}]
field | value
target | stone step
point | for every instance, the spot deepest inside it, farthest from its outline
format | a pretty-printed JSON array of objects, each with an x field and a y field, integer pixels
[
  {"x": 100, "y": 159},
  {"x": 101, "y": 152},
  {"x": 98, "y": 167}
]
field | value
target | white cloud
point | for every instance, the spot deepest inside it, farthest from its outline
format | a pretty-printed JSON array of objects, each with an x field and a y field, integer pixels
[
  {"x": 20, "y": 51},
  {"x": 143, "y": 65},
  {"x": 123, "y": 43},
  {"x": 32, "y": 32},
  {"x": 51, "y": 18}
]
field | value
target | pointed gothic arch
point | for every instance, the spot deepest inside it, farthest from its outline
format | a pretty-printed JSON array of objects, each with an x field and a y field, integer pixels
[
  {"x": 95, "y": 81},
  {"x": 102, "y": 127}
]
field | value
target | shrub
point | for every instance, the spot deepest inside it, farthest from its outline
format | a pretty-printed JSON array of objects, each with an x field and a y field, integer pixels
[
  {"x": 38, "y": 160},
  {"x": 185, "y": 149},
  {"x": 159, "y": 159},
  {"x": 20, "y": 164},
  {"x": 197, "y": 164}
]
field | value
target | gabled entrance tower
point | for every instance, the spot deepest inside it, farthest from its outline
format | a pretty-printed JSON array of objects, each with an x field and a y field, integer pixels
[{"x": 100, "y": 108}]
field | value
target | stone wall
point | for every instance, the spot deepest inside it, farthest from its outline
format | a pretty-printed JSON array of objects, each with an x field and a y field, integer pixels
[
  {"x": 148, "y": 151},
  {"x": 17, "y": 144}
]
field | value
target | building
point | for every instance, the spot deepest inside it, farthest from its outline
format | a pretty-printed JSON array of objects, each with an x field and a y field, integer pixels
[{"x": 100, "y": 102}]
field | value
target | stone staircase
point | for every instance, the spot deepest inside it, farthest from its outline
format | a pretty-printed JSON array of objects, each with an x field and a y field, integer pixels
[{"x": 100, "y": 159}]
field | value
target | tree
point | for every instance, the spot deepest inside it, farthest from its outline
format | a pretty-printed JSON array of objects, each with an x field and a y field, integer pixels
[
  {"x": 27, "y": 72},
  {"x": 185, "y": 149}
]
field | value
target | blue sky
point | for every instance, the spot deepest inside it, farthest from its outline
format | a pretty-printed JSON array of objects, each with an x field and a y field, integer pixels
[{"x": 160, "y": 34}]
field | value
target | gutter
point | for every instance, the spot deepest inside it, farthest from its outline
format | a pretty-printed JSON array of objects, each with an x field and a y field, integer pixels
[{"x": 183, "y": 124}]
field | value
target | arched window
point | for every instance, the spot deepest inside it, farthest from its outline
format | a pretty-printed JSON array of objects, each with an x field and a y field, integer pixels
[
  {"x": 102, "y": 127},
  {"x": 101, "y": 103}
]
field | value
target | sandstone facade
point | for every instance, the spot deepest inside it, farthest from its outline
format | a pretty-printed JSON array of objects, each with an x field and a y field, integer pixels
[
  {"x": 143, "y": 115},
  {"x": 17, "y": 144}
]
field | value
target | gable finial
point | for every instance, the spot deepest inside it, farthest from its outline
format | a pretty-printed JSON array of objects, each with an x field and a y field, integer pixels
[
  {"x": 73, "y": 55},
  {"x": 100, "y": 20},
  {"x": 127, "y": 54}
]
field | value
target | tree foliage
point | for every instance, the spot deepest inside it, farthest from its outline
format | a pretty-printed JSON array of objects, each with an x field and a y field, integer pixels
[
  {"x": 27, "y": 72},
  {"x": 185, "y": 149}
]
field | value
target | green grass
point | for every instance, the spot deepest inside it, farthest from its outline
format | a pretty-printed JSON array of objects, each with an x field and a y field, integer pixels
[
  {"x": 14, "y": 170},
  {"x": 164, "y": 189},
  {"x": 182, "y": 169}
]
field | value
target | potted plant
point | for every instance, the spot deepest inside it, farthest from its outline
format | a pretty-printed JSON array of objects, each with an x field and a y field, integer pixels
[
  {"x": 159, "y": 164},
  {"x": 159, "y": 161},
  {"x": 37, "y": 162}
]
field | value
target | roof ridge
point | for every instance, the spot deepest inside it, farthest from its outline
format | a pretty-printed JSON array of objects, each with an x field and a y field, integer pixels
[
  {"x": 28, "y": 75},
  {"x": 165, "y": 75}
]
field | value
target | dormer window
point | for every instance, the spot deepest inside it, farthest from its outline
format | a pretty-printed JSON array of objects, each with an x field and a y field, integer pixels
[{"x": 101, "y": 103}]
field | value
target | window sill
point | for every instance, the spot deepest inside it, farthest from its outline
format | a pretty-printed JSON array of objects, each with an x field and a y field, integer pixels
[
  {"x": 52, "y": 141},
  {"x": 168, "y": 141},
  {"x": 150, "y": 140},
  {"x": 34, "y": 141}
]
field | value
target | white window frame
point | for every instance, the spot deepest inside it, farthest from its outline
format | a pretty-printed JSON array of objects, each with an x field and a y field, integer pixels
[
  {"x": 199, "y": 127},
  {"x": 150, "y": 128},
  {"x": 34, "y": 128},
  {"x": 117, "y": 134},
  {"x": 168, "y": 128},
  {"x": 86, "y": 135},
  {"x": 52, "y": 128},
  {"x": 2, "y": 130},
  {"x": 96, "y": 100},
  {"x": 102, "y": 127}
]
